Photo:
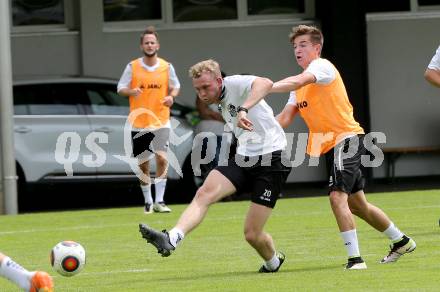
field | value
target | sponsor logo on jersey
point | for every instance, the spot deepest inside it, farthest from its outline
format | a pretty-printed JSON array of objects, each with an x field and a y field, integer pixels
[
  {"x": 302, "y": 104},
  {"x": 154, "y": 86}
]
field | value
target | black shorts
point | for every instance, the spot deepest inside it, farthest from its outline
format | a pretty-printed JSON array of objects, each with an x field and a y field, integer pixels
[
  {"x": 344, "y": 164},
  {"x": 149, "y": 142},
  {"x": 265, "y": 178}
]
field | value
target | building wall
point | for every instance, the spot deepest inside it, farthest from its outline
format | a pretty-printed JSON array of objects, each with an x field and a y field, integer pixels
[
  {"x": 402, "y": 104},
  {"x": 46, "y": 53}
]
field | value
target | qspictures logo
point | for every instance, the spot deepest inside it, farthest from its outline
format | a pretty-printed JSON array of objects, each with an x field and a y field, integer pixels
[{"x": 67, "y": 150}]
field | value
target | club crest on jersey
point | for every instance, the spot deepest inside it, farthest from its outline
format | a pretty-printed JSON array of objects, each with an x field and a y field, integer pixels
[{"x": 232, "y": 110}]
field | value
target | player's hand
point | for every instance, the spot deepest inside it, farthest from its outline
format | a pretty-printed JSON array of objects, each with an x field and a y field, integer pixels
[
  {"x": 136, "y": 91},
  {"x": 243, "y": 122},
  {"x": 168, "y": 100}
]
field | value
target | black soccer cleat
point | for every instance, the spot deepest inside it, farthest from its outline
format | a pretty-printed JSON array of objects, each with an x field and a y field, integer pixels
[
  {"x": 161, "y": 240},
  {"x": 356, "y": 263},
  {"x": 281, "y": 257}
]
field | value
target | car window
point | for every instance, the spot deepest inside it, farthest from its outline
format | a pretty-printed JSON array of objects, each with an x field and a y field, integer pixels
[
  {"x": 48, "y": 99},
  {"x": 104, "y": 100}
]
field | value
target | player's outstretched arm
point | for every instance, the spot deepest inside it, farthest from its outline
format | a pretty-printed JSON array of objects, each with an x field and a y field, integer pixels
[
  {"x": 260, "y": 88},
  {"x": 293, "y": 83}
]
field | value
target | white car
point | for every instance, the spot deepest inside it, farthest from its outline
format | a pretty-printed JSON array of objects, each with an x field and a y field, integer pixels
[{"x": 72, "y": 130}]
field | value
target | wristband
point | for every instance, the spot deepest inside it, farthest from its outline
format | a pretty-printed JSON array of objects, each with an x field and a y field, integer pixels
[{"x": 240, "y": 108}]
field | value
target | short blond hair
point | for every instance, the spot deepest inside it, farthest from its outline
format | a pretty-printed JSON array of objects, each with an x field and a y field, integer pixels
[
  {"x": 209, "y": 66},
  {"x": 315, "y": 33}
]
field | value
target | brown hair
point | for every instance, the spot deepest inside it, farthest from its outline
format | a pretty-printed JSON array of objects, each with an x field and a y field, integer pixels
[
  {"x": 210, "y": 66},
  {"x": 315, "y": 33},
  {"x": 149, "y": 30}
]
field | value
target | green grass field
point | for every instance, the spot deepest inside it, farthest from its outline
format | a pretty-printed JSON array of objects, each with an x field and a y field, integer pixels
[{"x": 215, "y": 257}]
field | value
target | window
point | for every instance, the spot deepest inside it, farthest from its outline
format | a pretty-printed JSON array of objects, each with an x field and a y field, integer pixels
[
  {"x": 262, "y": 7},
  {"x": 429, "y": 2},
  {"x": 37, "y": 12},
  {"x": 203, "y": 10},
  {"x": 168, "y": 12},
  {"x": 42, "y": 99},
  {"x": 105, "y": 101},
  {"x": 120, "y": 10},
  {"x": 387, "y": 6}
]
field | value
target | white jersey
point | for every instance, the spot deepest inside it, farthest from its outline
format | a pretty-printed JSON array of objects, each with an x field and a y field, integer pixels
[
  {"x": 267, "y": 135},
  {"x": 435, "y": 62},
  {"x": 323, "y": 71}
]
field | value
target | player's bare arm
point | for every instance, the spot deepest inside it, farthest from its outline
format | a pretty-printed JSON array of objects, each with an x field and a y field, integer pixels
[
  {"x": 260, "y": 88},
  {"x": 169, "y": 99},
  {"x": 293, "y": 82},
  {"x": 286, "y": 116},
  {"x": 433, "y": 77},
  {"x": 130, "y": 91}
]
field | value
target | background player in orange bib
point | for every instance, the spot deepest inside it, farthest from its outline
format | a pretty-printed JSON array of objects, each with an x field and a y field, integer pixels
[{"x": 151, "y": 84}]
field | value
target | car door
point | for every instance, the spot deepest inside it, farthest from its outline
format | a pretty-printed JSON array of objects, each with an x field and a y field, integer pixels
[
  {"x": 107, "y": 112},
  {"x": 50, "y": 128}
]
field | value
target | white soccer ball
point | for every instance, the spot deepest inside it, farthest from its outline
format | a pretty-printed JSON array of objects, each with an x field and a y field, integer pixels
[{"x": 68, "y": 258}]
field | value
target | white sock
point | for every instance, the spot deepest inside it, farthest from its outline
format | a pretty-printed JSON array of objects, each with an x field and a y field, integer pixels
[
  {"x": 146, "y": 190},
  {"x": 176, "y": 236},
  {"x": 393, "y": 233},
  {"x": 273, "y": 263},
  {"x": 16, "y": 273},
  {"x": 351, "y": 243},
  {"x": 159, "y": 185}
]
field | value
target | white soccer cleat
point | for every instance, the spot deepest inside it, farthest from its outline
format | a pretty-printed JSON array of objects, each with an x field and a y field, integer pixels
[
  {"x": 160, "y": 207},
  {"x": 398, "y": 249}
]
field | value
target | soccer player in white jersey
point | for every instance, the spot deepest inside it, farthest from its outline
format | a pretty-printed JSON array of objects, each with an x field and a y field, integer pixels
[
  {"x": 432, "y": 73},
  {"x": 258, "y": 163}
]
